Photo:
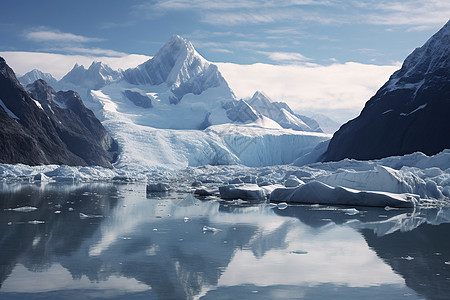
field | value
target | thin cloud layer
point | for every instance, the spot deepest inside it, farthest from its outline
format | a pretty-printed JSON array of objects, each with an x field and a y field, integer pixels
[
  {"x": 337, "y": 90},
  {"x": 57, "y": 36},
  {"x": 418, "y": 15},
  {"x": 59, "y": 64},
  {"x": 52, "y": 40}
]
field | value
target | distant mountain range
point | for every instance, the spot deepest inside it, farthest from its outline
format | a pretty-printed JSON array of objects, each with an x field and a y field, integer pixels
[
  {"x": 175, "y": 71},
  {"x": 409, "y": 113}
]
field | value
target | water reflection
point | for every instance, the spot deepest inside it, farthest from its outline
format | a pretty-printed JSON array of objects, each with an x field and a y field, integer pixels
[{"x": 138, "y": 246}]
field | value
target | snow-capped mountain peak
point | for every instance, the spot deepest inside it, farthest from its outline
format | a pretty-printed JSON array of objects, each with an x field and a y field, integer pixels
[
  {"x": 408, "y": 114},
  {"x": 280, "y": 112},
  {"x": 96, "y": 76},
  {"x": 428, "y": 59},
  {"x": 180, "y": 67},
  {"x": 34, "y": 75}
]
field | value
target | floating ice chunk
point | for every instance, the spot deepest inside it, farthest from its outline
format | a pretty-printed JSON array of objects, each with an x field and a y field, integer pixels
[
  {"x": 293, "y": 181},
  {"x": 35, "y": 222},
  {"x": 196, "y": 183},
  {"x": 242, "y": 191},
  {"x": 41, "y": 177},
  {"x": 299, "y": 252},
  {"x": 351, "y": 211},
  {"x": 24, "y": 209},
  {"x": 187, "y": 219},
  {"x": 57, "y": 211},
  {"x": 235, "y": 181},
  {"x": 282, "y": 205},
  {"x": 433, "y": 190},
  {"x": 407, "y": 257},
  {"x": 388, "y": 208},
  {"x": 157, "y": 187},
  {"x": 210, "y": 229},
  {"x": 205, "y": 192},
  {"x": 85, "y": 216},
  {"x": 239, "y": 201},
  {"x": 315, "y": 192}
]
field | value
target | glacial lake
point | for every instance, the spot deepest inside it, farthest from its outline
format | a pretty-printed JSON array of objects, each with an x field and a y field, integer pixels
[{"x": 113, "y": 241}]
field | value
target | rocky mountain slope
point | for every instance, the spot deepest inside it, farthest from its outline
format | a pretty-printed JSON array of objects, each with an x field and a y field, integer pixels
[
  {"x": 45, "y": 127},
  {"x": 409, "y": 113}
]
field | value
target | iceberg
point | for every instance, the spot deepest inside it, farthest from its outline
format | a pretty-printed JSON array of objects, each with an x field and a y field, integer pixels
[
  {"x": 316, "y": 192},
  {"x": 242, "y": 191}
]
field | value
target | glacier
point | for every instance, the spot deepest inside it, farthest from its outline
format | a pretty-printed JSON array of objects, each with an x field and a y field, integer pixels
[
  {"x": 176, "y": 110},
  {"x": 179, "y": 126},
  {"x": 412, "y": 180}
]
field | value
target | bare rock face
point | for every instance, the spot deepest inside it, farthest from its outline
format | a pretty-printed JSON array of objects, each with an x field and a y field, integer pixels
[
  {"x": 408, "y": 114},
  {"x": 45, "y": 127}
]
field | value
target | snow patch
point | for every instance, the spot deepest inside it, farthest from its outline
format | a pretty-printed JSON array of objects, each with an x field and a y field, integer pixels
[
  {"x": 417, "y": 109},
  {"x": 9, "y": 112},
  {"x": 38, "y": 104}
]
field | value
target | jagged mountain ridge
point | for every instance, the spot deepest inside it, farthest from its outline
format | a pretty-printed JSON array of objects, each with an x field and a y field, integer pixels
[
  {"x": 178, "y": 70},
  {"x": 37, "y": 132},
  {"x": 95, "y": 77},
  {"x": 408, "y": 113},
  {"x": 178, "y": 65},
  {"x": 281, "y": 113},
  {"x": 34, "y": 75}
]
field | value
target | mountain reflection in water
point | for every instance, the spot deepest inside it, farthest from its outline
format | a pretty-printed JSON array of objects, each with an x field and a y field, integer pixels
[{"x": 128, "y": 244}]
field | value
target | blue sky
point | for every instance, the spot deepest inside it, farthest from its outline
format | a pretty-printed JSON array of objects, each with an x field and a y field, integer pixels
[
  {"x": 319, "y": 56},
  {"x": 243, "y": 32}
]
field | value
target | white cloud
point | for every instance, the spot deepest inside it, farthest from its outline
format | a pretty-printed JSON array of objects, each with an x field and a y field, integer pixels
[
  {"x": 420, "y": 15},
  {"x": 417, "y": 14},
  {"x": 91, "y": 51},
  {"x": 59, "y": 64},
  {"x": 285, "y": 57},
  {"x": 57, "y": 36},
  {"x": 338, "y": 90},
  {"x": 225, "y": 5}
]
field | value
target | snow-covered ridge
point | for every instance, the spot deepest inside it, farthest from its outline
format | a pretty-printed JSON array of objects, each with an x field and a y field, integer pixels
[{"x": 34, "y": 75}]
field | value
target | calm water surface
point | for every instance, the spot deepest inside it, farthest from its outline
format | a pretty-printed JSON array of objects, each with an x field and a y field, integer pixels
[{"x": 115, "y": 242}]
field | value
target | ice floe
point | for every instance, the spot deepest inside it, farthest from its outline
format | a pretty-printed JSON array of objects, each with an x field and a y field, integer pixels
[{"x": 409, "y": 180}]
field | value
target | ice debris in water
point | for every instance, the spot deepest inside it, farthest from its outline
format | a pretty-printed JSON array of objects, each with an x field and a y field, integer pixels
[
  {"x": 242, "y": 191},
  {"x": 85, "y": 216},
  {"x": 157, "y": 187},
  {"x": 282, "y": 205},
  {"x": 24, "y": 209},
  {"x": 407, "y": 257},
  {"x": 210, "y": 229},
  {"x": 388, "y": 208},
  {"x": 35, "y": 222},
  {"x": 351, "y": 211}
]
